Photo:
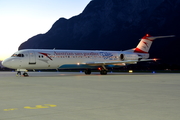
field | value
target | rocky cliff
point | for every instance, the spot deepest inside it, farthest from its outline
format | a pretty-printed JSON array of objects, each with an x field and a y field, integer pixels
[{"x": 116, "y": 25}]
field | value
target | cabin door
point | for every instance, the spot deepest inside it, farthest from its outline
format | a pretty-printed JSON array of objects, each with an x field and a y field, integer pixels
[{"x": 32, "y": 58}]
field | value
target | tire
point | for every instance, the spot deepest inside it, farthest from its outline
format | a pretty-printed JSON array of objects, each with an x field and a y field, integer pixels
[
  {"x": 87, "y": 72},
  {"x": 25, "y": 74},
  {"x": 103, "y": 72}
]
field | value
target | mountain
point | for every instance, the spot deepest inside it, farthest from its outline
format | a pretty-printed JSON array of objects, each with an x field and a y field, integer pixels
[{"x": 116, "y": 25}]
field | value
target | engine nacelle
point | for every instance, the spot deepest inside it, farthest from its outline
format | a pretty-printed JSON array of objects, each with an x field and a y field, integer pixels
[{"x": 123, "y": 57}]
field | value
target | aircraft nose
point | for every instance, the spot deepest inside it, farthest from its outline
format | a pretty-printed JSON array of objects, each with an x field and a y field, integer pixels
[{"x": 6, "y": 63}]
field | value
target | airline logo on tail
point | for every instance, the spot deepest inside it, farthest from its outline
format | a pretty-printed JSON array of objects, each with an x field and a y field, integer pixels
[
  {"x": 144, "y": 45},
  {"x": 146, "y": 42}
]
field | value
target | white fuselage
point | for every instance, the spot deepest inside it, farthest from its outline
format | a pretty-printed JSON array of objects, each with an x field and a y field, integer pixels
[{"x": 54, "y": 59}]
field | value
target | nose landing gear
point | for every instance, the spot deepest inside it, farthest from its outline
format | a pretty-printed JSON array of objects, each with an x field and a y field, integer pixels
[
  {"x": 18, "y": 73},
  {"x": 25, "y": 74}
]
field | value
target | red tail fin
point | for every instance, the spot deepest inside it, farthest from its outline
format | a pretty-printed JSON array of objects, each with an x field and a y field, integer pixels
[{"x": 146, "y": 42}]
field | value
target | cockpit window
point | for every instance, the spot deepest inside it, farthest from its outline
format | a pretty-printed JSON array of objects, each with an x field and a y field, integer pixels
[
  {"x": 17, "y": 55},
  {"x": 14, "y": 55}
]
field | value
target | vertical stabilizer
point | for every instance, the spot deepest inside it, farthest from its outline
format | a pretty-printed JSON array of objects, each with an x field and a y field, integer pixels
[{"x": 146, "y": 42}]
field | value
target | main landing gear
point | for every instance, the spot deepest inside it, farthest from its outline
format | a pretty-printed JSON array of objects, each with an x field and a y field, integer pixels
[
  {"x": 25, "y": 74},
  {"x": 87, "y": 71},
  {"x": 103, "y": 71}
]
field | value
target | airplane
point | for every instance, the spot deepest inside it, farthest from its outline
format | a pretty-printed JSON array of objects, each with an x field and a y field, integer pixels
[{"x": 87, "y": 59}]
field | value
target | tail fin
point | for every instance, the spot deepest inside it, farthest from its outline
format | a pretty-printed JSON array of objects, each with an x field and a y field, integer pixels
[{"x": 145, "y": 43}]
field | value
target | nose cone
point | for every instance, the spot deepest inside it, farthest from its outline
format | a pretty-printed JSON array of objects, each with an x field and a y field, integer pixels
[{"x": 6, "y": 63}]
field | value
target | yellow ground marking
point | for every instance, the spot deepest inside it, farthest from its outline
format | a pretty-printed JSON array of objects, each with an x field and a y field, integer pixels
[
  {"x": 50, "y": 105},
  {"x": 28, "y": 107},
  {"x": 36, "y": 107},
  {"x": 40, "y": 106},
  {"x": 11, "y": 109}
]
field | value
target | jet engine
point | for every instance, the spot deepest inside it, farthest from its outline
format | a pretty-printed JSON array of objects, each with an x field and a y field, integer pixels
[{"x": 124, "y": 57}]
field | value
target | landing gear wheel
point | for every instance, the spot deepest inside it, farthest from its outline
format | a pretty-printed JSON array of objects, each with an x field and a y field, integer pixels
[
  {"x": 103, "y": 72},
  {"x": 87, "y": 72},
  {"x": 25, "y": 74}
]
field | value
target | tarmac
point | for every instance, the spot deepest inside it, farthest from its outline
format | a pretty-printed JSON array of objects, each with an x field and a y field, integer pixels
[{"x": 75, "y": 96}]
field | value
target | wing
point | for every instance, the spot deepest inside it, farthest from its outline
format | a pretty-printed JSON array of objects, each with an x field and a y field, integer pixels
[{"x": 116, "y": 62}]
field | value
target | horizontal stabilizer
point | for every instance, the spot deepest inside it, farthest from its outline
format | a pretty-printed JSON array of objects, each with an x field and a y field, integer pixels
[{"x": 156, "y": 37}]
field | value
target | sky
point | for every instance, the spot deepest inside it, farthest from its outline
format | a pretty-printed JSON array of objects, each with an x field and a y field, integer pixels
[{"x": 23, "y": 19}]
